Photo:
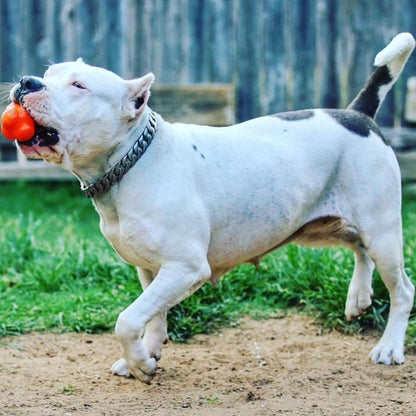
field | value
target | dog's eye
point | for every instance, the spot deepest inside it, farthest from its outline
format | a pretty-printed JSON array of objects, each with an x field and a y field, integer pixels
[{"x": 77, "y": 84}]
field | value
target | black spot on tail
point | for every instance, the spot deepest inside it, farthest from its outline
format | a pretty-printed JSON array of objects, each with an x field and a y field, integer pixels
[
  {"x": 355, "y": 122},
  {"x": 368, "y": 101}
]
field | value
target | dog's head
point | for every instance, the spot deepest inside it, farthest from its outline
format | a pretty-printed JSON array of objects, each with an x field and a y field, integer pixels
[{"x": 82, "y": 113}]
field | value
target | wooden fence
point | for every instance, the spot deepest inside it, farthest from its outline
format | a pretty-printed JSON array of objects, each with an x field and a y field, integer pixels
[{"x": 279, "y": 54}]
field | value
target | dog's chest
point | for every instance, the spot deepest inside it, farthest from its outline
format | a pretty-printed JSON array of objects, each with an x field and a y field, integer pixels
[
  {"x": 123, "y": 236},
  {"x": 130, "y": 250}
]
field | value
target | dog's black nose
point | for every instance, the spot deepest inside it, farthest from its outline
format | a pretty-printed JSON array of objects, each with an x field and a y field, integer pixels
[
  {"x": 26, "y": 85},
  {"x": 30, "y": 84}
]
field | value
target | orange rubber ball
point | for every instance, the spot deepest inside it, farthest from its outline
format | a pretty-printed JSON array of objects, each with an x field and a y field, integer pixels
[{"x": 16, "y": 123}]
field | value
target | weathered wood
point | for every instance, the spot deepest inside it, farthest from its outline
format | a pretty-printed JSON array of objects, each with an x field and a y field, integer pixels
[
  {"x": 33, "y": 170},
  {"x": 410, "y": 102},
  {"x": 403, "y": 141},
  {"x": 407, "y": 163},
  {"x": 248, "y": 51},
  {"x": 279, "y": 54},
  {"x": 209, "y": 104}
]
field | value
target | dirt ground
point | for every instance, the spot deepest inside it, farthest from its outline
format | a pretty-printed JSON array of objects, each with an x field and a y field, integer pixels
[{"x": 269, "y": 367}]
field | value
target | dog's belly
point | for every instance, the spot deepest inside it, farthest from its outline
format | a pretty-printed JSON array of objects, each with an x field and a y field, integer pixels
[{"x": 231, "y": 246}]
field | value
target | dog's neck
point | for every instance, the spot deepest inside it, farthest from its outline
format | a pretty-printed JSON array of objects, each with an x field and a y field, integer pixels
[{"x": 117, "y": 170}]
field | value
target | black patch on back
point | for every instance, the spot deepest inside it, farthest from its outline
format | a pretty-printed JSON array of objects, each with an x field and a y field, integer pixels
[
  {"x": 355, "y": 122},
  {"x": 367, "y": 101},
  {"x": 295, "y": 115}
]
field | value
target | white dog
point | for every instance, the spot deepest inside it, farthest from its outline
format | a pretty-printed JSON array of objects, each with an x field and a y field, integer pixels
[{"x": 202, "y": 199}]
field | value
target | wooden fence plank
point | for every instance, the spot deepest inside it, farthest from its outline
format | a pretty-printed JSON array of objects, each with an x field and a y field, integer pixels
[{"x": 248, "y": 55}]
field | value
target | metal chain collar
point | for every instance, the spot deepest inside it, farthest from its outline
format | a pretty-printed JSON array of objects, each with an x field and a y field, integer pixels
[{"x": 118, "y": 170}]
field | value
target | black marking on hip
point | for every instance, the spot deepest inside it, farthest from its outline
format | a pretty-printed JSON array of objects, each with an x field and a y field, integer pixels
[
  {"x": 355, "y": 122},
  {"x": 295, "y": 115}
]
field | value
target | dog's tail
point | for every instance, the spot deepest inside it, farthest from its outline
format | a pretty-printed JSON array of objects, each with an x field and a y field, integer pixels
[{"x": 390, "y": 62}]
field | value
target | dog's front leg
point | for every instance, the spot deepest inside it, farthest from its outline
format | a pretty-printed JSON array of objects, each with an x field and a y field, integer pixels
[
  {"x": 156, "y": 329},
  {"x": 173, "y": 283}
]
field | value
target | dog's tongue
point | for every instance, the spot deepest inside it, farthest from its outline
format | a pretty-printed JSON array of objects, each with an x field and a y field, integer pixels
[{"x": 16, "y": 123}]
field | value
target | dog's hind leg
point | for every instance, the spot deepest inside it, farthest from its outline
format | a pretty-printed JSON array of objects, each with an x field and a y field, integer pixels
[
  {"x": 327, "y": 231},
  {"x": 156, "y": 329},
  {"x": 360, "y": 292},
  {"x": 386, "y": 251}
]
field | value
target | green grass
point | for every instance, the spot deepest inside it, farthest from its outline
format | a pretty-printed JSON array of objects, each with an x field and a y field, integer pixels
[{"x": 57, "y": 273}]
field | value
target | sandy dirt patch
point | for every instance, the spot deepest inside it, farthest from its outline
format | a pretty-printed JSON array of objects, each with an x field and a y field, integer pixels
[{"x": 269, "y": 367}]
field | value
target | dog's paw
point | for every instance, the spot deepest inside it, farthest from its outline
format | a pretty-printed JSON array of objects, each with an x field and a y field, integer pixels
[
  {"x": 357, "y": 302},
  {"x": 154, "y": 346},
  {"x": 388, "y": 354},
  {"x": 144, "y": 374},
  {"x": 119, "y": 368}
]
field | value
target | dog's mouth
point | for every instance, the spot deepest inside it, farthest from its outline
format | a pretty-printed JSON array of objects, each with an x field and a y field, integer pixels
[
  {"x": 42, "y": 144},
  {"x": 43, "y": 137}
]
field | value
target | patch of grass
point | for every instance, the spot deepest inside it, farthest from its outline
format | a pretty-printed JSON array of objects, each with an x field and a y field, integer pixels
[
  {"x": 67, "y": 389},
  {"x": 58, "y": 273},
  {"x": 211, "y": 399}
]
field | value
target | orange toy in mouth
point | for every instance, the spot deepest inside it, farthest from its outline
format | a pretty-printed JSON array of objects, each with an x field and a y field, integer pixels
[{"x": 16, "y": 123}]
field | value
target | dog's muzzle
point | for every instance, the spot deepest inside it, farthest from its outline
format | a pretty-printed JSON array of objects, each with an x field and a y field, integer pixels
[{"x": 44, "y": 135}]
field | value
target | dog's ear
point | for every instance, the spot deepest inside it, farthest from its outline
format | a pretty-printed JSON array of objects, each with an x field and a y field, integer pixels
[
  {"x": 138, "y": 94},
  {"x": 80, "y": 60}
]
